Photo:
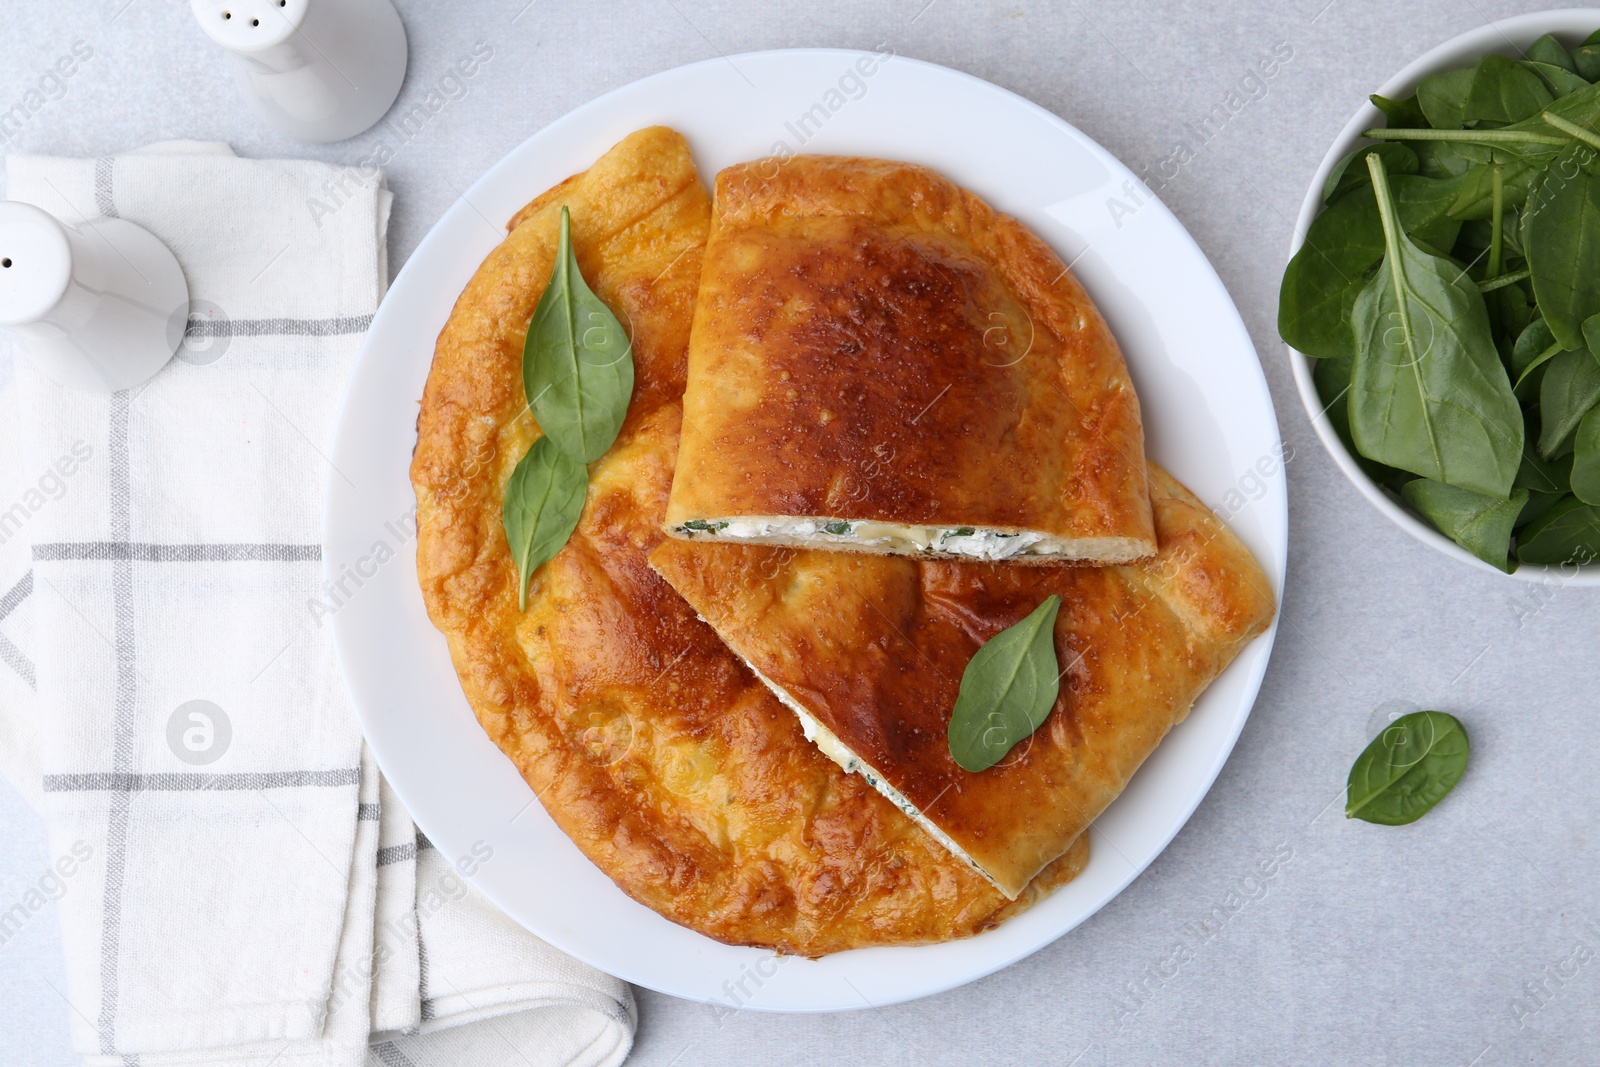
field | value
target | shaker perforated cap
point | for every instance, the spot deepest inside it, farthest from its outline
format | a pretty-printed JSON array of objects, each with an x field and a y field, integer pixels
[{"x": 35, "y": 263}]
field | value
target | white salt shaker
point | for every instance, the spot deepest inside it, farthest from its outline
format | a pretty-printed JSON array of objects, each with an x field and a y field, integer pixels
[
  {"x": 100, "y": 306},
  {"x": 317, "y": 70}
]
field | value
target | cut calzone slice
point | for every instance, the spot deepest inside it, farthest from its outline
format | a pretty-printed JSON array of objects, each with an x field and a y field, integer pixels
[
  {"x": 881, "y": 362},
  {"x": 868, "y": 652}
]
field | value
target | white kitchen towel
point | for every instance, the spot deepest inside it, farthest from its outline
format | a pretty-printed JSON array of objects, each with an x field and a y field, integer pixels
[{"x": 247, "y": 891}]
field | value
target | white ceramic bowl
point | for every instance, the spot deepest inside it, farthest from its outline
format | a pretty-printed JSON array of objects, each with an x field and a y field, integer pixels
[{"x": 1507, "y": 37}]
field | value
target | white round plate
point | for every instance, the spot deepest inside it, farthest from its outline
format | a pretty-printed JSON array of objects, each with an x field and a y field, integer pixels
[
  {"x": 1507, "y": 37},
  {"x": 1208, "y": 417}
]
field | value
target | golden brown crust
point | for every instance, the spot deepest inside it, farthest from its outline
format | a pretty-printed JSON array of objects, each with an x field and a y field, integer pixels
[
  {"x": 874, "y": 647},
  {"x": 872, "y": 342},
  {"x": 648, "y": 742}
]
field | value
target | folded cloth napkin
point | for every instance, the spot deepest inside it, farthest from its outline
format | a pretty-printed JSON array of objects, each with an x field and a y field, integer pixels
[{"x": 245, "y": 889}]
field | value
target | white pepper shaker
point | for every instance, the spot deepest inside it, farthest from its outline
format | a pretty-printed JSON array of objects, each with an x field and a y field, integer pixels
[
  {"x": 99, "y": 306},
  {"x": 317, "y": 70}
]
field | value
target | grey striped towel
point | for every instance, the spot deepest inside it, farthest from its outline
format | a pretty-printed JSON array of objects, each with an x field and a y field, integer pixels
[{"x": 243, "y": 887}]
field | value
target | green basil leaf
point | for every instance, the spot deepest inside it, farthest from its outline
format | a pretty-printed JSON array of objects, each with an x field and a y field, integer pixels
[
  {"x": 1428, "y": 391},
  {"x": 1401, "y": 114},
  {"x": 1559, "y": 80},
  {"x": 1568, "y": 533},
  {"x": 1480, "y": 524},
  {"x": 1563, "y": 243},
  {"x": 577, "y": 362},
  {"x": 544, "y": 499},
  {"x": 1343, "y": 244},
  {"x": 1571, "y": 386},
  {"x": 1548, "y": 50},
  {"x": 1008, "y": 688},
  {"x": 1586, "y": 458},
  {"x": 1397, "y": 159},
  {"x": 1407, "y": 769}
]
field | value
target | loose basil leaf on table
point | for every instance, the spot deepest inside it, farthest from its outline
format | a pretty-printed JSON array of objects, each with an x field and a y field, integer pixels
[
  {"x": 1563, "y": 243},
  {"x": 1007, "y": 690},
  {"x": 1480, "y": 524},
  {"x": 577, "y": 362},
  {"x": 1428, "y": 392},
  {"x": 1568, "y": 533},
  {"x": 1570, "y": 387},
  {"x": 1351, "y": 171},
  {"x": 544, "y": 499},
  {"x": 1407, "y": 769},
  {"x": 1548, "y": 50},
  {"x": 1343, "y": 244}
]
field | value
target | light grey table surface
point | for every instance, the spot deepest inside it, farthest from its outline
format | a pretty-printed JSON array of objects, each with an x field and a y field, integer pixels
[{"x": 1464, "y": 939}]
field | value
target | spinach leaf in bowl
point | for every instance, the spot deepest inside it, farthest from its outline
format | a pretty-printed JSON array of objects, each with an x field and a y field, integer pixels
[
  {"x": 1547, "y": 483},
  {"x": 1571, "y": 386},
  {"x": 1558, "y": 80},
  {"x": 1585, "y": 477},
  {"x": 1503, "y": 92},
  {"x": 1351, "y": 171},
  {"x": 1569, "y": 533},
  {"x": 1342, "y": 246},
  {"x": 1563, "y": 243},
  {"x": 1406, "y": 113},
  {"x": 1428, "y": 393},
  {"x": 1547, "y": 50},
  {"x": 1473, "y": 333},
  {"x": 1478, "y": 523}
]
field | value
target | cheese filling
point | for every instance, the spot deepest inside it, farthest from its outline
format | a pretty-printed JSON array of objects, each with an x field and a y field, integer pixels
[
  {"x": 829, "y": 744},
  {"x": 951, "y": 540}
]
